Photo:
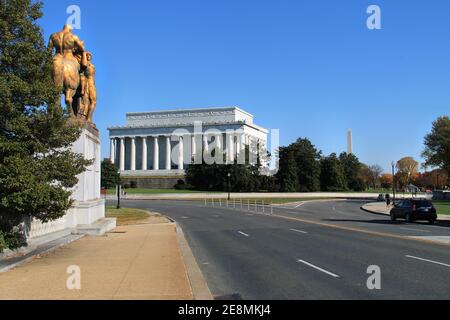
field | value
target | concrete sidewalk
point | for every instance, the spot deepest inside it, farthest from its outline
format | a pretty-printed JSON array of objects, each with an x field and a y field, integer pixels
[
  {"x": 132, "y": 262},
  {"x": 382, "y": 209}
]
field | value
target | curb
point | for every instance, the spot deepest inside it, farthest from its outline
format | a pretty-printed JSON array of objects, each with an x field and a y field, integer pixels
[
  {"x": 373, "y": 212},
  {"x": 439, "y": 218},
  {"x": 199, "y": 287}
]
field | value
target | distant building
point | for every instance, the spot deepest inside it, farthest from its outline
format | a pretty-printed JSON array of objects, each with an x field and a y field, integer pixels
[
  {"x": 145, "y": 150},
  {"x": 349, "y": 142}
]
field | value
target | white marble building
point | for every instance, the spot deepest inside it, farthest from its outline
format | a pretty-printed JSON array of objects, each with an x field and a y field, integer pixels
[{"x": 154, "y": 148}]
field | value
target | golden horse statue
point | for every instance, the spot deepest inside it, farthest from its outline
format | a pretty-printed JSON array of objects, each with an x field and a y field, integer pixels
[{"x": 74, "y": 73}]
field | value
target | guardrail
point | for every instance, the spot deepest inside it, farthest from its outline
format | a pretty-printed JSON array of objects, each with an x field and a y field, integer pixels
[{"x": 242, "y": 204}]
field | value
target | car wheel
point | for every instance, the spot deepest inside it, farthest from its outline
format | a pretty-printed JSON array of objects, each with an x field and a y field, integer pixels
[
  {"x": 393, "y": 218},
  {"x": 408, "y": 218}
]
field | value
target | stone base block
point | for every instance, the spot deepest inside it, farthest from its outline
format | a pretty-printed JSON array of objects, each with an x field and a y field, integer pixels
[{"x": 97, "y": 228}]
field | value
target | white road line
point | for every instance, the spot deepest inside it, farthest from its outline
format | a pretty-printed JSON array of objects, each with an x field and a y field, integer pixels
[
  {"x": 410, "y": 229},
  {"x": 318, "y": 268},
  {"x": 244, "y": 234},
  {"x": 300, "y": 204},
  {"x": 426, "y": 260},
  {"x": 299, "y": 231},
  {"x": 184, "y": 217}
]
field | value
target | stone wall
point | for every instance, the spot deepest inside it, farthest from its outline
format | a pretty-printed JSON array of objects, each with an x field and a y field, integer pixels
[{"x": 152, "y": 182}]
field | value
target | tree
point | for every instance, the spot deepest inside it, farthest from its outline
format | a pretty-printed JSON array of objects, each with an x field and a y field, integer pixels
[
  {"x": 287, "y": 174},
  {"x": 375, "y": 172},
  {"x": 406, "y": 170},
  {"x": 110, "y": 175},
  {"x": 214, "y": 177},
  {"x": 351, "y": 166},
  {"x": 435, "y": 179},
  {"x": 37, "y": 167},
  {"x": 386, "y": 181},
  {"x": 437, "y": 145},
  {"x": 332, "y": 177},
  {"x": 365, "y": 176},
  {"x": 307, "y": 158}
]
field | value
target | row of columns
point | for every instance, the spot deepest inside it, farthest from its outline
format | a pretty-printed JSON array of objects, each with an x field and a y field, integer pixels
[
  {"x": 168, "y": 164},
  {"x": 232, "y": 150}
]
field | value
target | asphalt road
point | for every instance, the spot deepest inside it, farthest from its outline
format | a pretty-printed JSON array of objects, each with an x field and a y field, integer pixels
[{"x": 314, "y": 250}]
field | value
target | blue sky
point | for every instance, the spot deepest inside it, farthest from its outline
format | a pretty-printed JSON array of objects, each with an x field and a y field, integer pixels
[{"x": 309, "y": 68}]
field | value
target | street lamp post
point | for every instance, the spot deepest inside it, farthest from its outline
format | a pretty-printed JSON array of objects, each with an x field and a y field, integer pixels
[
  {"x": 229, "y": 186},
  {"x": 118, "y": 195},
  {"x": 393, "y": 180}
]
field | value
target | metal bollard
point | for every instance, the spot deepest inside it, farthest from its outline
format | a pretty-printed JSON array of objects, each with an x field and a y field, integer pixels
[
  {"x": 248, "y": 204},
  {"x": 263, "y": 207}
]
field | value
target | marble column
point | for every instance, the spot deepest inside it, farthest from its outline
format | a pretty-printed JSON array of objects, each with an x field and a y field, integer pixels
[
  {"x": 238, "y": 144},
  {"x": 122, "y": 154},
  {"x": 180, "y": 154},
  {"x": 168, "y": 154},
  {"x": 230, "y": 148},
  {"x": 112, "y": 150},
  {"x": 193, "y": 148},
  {"x": 218, "y": 141},
  {"x": 156, "y": 154},
  {"x": 144, "y": 153},
  {"x": 205, "y": 143},
  {"x": 133, "y": 154}
]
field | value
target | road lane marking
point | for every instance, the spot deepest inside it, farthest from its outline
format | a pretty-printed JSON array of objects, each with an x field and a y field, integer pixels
[
  {"x": 431, "y": 261},
  {"x": 365, "y": 231},
  {"x": 318, "y": 268},
  {"x": 299, "y": 231},
  {"x": 411, "y": 229},
  {"x": 300, "y": 204},
  {"x": 244, "y": 234},
  {"x": 183, "y": 217}
]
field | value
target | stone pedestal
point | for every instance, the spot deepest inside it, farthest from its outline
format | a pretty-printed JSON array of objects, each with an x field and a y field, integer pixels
[{"x": 87, "y": 214}]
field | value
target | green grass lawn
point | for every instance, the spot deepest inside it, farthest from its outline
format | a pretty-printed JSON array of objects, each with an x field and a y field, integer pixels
[
  {"x": 126, "y": 215},
  {"x": 442, "y": 207}
]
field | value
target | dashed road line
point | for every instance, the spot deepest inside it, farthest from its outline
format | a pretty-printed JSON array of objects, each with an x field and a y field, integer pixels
[
  {"x": 411, "y": 229},
  {"x": 299, "y": 231},
  {"x": 299, "y": 205},
  {"x": 427, "y": 260},
  {"x": 243, "y": 233},
  {"x": 318, "y": 268}
]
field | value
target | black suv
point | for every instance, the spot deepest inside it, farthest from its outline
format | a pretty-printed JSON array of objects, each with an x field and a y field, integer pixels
[{"x": 414, "y": 209}]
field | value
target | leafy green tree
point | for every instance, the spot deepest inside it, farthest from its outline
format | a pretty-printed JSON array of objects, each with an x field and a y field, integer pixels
[
  {"x": 437, "y": 145},
  {"x": 351, "y": 166},
  {"x": 307, "y": 158},
  {"x": 110, "y": 175},
  {"x": 37, "y": 167},
  {"x": 332, "y": 176},
  {"x": 214, "y": 177},
  {"x": 287, "y": 175}
]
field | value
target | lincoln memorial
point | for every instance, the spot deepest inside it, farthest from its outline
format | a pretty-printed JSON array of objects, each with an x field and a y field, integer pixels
[{"x": 154, "y": 148}]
